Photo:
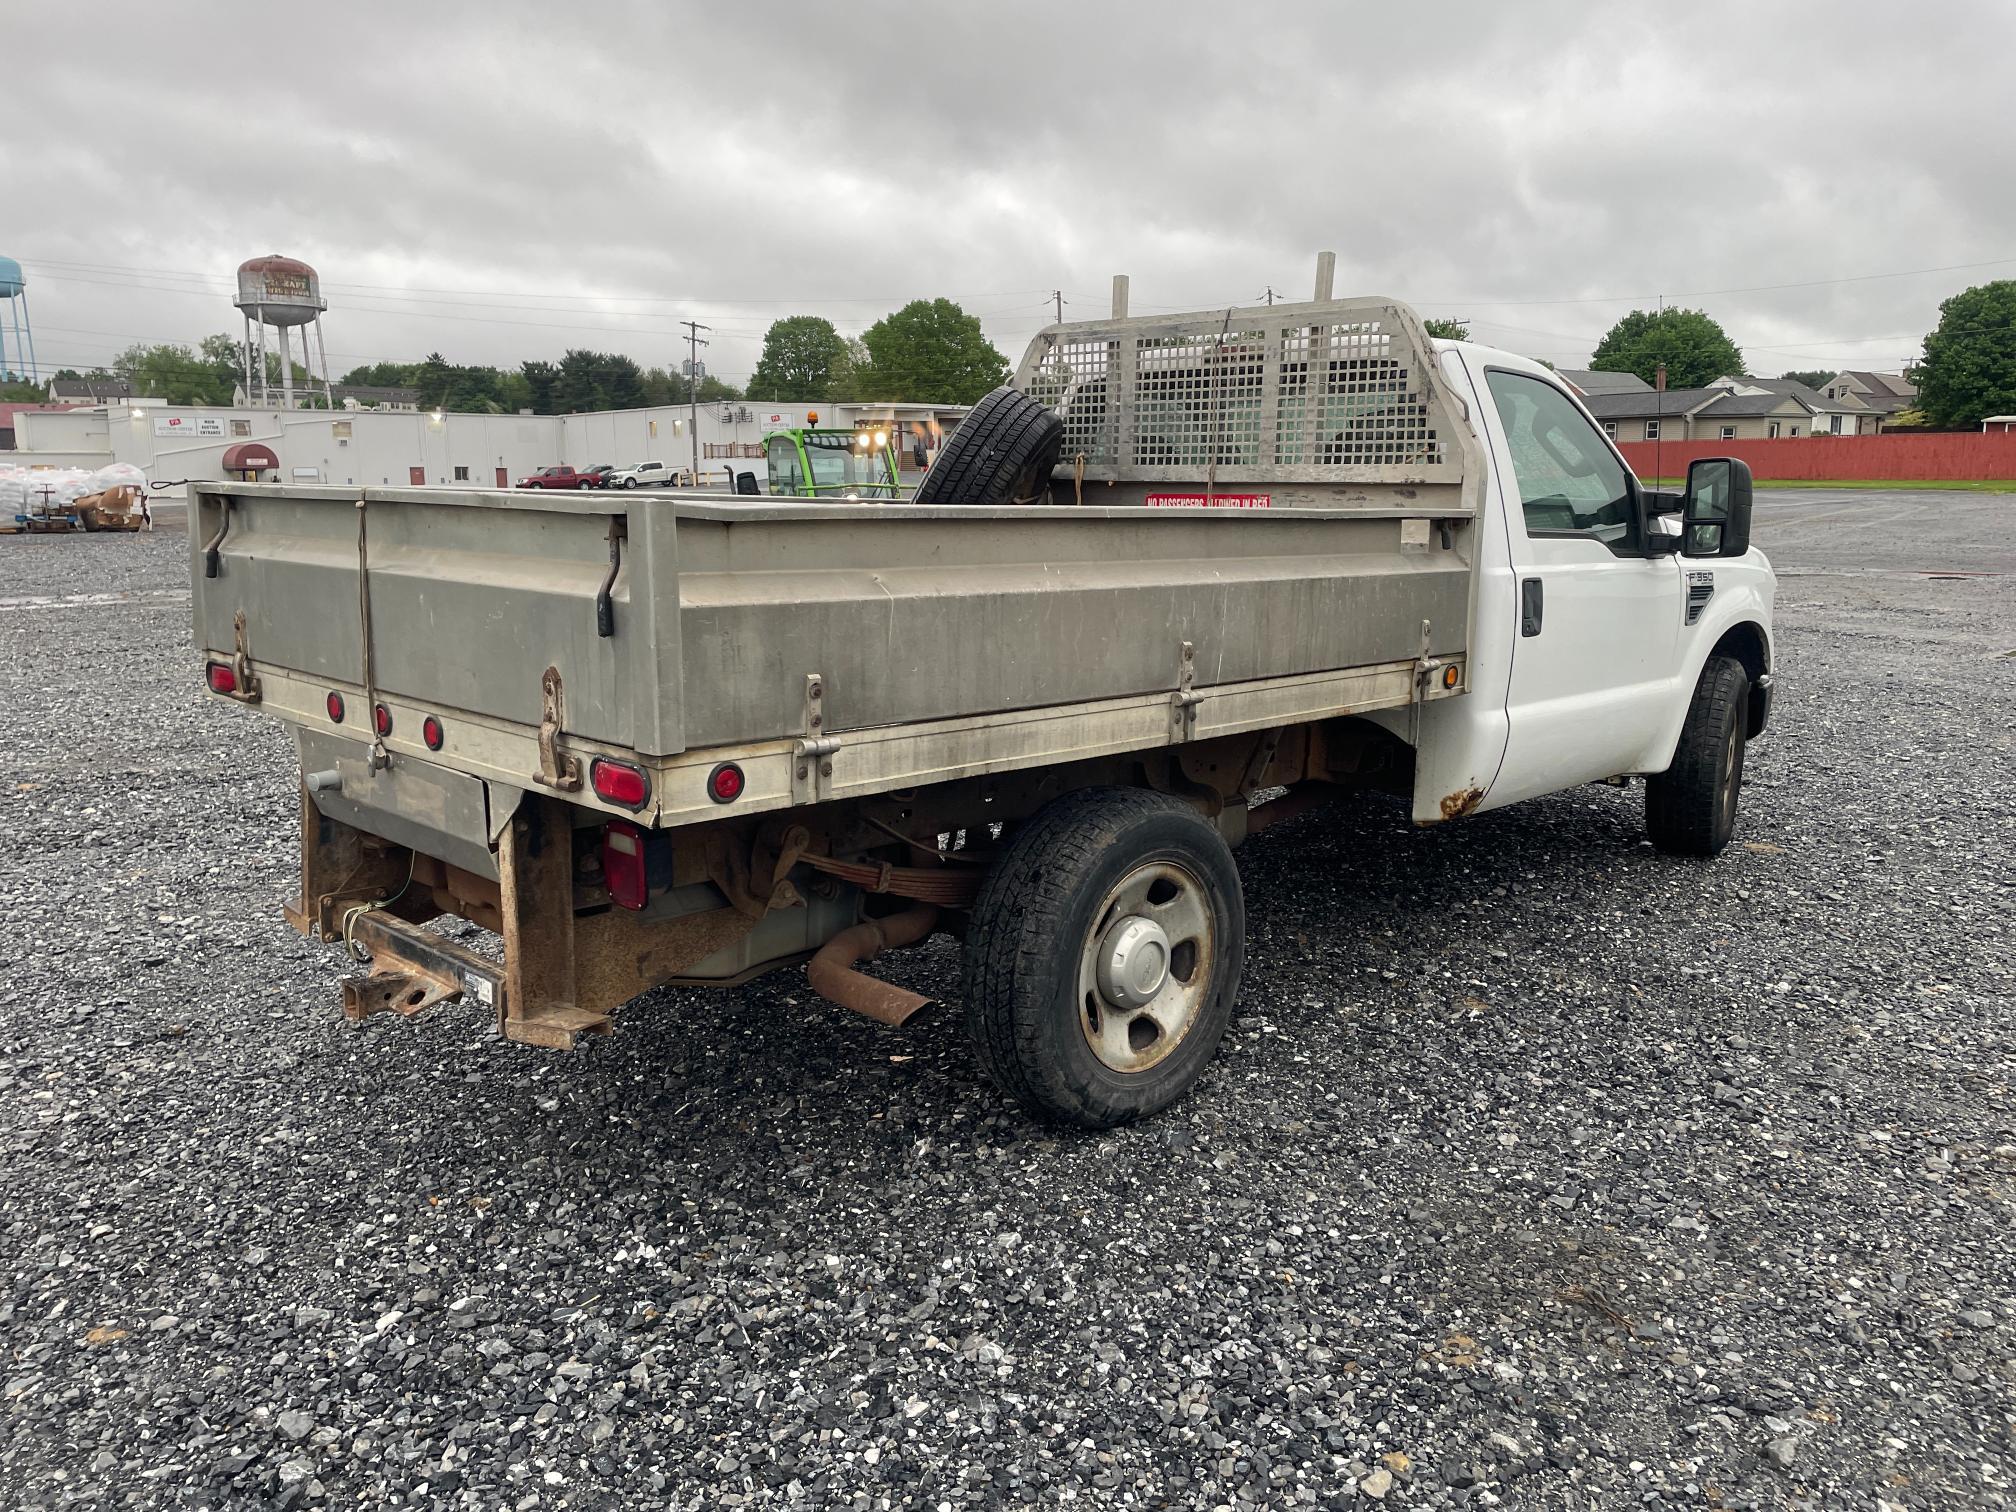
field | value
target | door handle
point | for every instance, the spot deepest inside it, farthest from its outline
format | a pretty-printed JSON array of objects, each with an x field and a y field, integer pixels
[{"x": 1532, "y": 600}]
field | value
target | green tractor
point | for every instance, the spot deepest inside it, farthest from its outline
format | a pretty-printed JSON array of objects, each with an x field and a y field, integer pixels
[{"x": 809, "y": 463}]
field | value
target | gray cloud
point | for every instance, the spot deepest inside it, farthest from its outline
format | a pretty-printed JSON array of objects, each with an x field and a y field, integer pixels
[{"x": 501, "y": 181}]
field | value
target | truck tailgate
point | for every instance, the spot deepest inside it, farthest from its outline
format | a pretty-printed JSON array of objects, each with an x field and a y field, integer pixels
[{"x": 471, "y": 596}]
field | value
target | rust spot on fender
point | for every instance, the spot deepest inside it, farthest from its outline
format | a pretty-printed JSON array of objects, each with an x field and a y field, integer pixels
[{"x": 1456, "y": 805}]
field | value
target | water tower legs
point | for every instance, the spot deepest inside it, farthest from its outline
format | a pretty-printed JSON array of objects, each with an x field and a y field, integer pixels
[{"x": 286, "y": 371}]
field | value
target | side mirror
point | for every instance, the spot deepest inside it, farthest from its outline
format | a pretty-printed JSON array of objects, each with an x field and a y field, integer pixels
[{"x": 1715, "y": 511}]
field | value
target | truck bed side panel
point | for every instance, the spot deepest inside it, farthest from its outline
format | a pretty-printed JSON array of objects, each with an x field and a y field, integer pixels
[{"x": 933, "y": 619}]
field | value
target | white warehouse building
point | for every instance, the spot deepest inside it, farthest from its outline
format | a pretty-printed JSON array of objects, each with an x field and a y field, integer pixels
[{"x": 374, "y": 448}]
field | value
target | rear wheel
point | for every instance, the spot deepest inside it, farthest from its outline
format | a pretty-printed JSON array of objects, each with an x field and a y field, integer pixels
[
  {"x": 1690, "y": 808},
  {"x": 1104, "y": 957},
  {"x": 1002, "y": 453}
]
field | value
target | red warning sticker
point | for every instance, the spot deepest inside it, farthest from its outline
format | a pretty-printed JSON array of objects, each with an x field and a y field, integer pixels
[{"x": 1215, "y": 501}]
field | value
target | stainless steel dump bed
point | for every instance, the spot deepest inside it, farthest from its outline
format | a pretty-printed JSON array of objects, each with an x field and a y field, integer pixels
[{"x": 845, "y": 648}]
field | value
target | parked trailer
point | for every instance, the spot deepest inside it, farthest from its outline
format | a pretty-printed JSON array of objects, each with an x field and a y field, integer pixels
[{"x": 690, "y": 740}]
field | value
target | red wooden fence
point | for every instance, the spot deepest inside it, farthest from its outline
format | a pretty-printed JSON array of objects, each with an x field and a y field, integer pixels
[{"x": 1956, "y": 456}]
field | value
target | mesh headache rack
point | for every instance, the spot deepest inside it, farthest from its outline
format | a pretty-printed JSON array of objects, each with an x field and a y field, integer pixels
[{"x": 1333, "y": 391}]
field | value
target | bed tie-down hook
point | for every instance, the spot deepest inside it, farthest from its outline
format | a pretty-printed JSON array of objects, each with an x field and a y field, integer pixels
[{"x": 605, "y": 607}]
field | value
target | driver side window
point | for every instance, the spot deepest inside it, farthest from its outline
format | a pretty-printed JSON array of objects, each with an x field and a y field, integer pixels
[{"x": 1570, "y": 483}]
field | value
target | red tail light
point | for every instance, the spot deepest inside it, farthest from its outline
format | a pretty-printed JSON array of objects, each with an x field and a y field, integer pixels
[
  {"x": 222, "y": 678},
  {"x": 381, "y": 720},
  {"x": 620, "y": 783},
  {"x": 623, "y": 864},
  {"x": 334, "y": 704},
  {"x": 432, "y": 733},
  {"x": 724, "y": 783}
]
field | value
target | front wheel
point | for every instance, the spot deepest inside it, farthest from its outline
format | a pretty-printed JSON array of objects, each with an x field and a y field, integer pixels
[
  {"x": 1690, "y": 808},
  {"x": 629, "y": 482},
  {"x": 1104, "y": 957}
]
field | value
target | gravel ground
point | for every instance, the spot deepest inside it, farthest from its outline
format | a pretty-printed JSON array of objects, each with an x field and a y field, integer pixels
[{"x": 1539, "y": 1171}]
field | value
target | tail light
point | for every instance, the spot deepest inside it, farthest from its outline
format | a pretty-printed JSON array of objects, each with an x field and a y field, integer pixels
[
  {"x": 620, "y": 783},
  {"x": 222, "y": 678},
  {"x": 432, "y": 733},
  {"x": 623, "y": 870},
  {"x": 381, "y": 720},
  {"x": 334, "y": 704},
  {"x": 724, "y": 783}
]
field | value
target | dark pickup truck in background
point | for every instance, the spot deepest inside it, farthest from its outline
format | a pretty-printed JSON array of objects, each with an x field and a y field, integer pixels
[{"x": 560, "y": 477}]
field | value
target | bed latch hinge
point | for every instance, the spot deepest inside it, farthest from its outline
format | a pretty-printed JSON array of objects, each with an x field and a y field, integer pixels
[
  {"x": 247, "y": 690},
  {"x": 812, "y": 755},
  {"x": 1183, "y": 702},
  {"x": 557, "y": 769}
]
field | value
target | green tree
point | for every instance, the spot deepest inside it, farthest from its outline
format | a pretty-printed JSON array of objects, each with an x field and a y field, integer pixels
[
  {"x": 1813, "y": 378},
  {"x": 930, "y": 350},
  {"x": 850, "y": 374},
  {"x": 1969, "y": 367},
  {"x": 1447, "y": 329},
  {"x": 800, "y": 353},
  {"x": 539, "y": 380},
  {"x": 663, "y": 387},
  {"x": 180, "y": 375},
  {"x": 20, "y": 391},
  {"x": 1695, "y": 349}
]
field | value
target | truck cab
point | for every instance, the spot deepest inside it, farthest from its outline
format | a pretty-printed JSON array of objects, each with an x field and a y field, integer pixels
[
  {"x": 807, "y": 463},
  {"x": 1598, "y": 605}
]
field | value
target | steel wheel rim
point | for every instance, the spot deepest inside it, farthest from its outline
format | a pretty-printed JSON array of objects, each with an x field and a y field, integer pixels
[{"x": 1134, "y": 1030}]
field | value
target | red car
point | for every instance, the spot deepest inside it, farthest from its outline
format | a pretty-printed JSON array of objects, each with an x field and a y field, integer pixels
[{"x": 559, "y": 477}]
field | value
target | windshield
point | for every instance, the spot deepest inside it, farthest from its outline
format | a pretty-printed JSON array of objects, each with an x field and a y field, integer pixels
[{"x": 840, "y": 464}]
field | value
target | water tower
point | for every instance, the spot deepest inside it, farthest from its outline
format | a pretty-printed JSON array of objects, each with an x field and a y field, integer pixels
[
  {"x": 14, "y": 317},
  {"x": 283, "y": 293}
]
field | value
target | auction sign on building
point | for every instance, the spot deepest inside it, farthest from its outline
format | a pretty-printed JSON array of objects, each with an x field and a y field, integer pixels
[{"x": 190, "y": 425}]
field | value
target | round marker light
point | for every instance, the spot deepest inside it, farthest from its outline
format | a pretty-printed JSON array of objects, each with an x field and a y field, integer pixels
[
  {"x": 432, "y": 733},
  {"x": 724, "y": 783},
  {"x": 334, "y": 704},
  {"x": 381, "y": 720},
  {"x": 1449, "y": 676}
]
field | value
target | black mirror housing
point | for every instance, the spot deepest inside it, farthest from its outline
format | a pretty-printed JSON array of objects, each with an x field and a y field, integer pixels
[{"x": 1715, "y": 511}]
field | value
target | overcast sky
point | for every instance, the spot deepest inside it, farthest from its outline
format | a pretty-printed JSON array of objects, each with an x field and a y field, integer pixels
[{"x": 503, "y": 181}]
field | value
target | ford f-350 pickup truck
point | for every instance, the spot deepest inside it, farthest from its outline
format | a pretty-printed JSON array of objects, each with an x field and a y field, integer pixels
[{"x": 1181, "y": 562}]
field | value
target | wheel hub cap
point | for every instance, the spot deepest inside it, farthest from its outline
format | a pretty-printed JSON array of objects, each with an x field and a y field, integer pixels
[{"x": 1133, "y": 962}]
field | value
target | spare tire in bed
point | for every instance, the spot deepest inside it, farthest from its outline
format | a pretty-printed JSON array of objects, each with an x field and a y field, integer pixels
[{"x": 1002, "y": 453}]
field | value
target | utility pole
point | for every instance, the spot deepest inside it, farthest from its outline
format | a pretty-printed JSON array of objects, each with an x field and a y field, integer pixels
[
  {"x": 1270, "y": 294},
  {"x": 693, "y": 345},
  {"x": 1058, "y": 295}
]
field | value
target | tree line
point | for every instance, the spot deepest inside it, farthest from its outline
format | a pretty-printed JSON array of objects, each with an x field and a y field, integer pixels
[
  {"x": 1965, "y": 373},
  {"x": 932, "y": 351}
]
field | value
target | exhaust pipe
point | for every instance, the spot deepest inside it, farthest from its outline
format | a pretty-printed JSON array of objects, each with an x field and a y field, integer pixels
[{"x": 832, "y": 975}]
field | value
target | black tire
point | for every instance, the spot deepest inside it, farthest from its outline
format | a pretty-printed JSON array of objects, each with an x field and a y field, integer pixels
[
  {"x": 1033, "y": 930},
  {"x": 1002, "y": 453},
  {"x": 629, "y": 482},
  {"x": 1690, "y": 808}
]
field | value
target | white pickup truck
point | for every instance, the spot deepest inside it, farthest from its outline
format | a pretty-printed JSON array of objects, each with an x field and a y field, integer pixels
[
  {"x": 1181, "y": 563},
  {"x": 643, "y": 475}
]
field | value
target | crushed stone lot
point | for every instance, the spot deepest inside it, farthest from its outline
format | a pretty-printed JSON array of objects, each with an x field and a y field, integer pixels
[{"x": 1539, "y": 1170}]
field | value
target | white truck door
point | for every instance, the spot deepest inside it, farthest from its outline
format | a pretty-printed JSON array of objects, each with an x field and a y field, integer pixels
[{"x": 1598, "y": 622}]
